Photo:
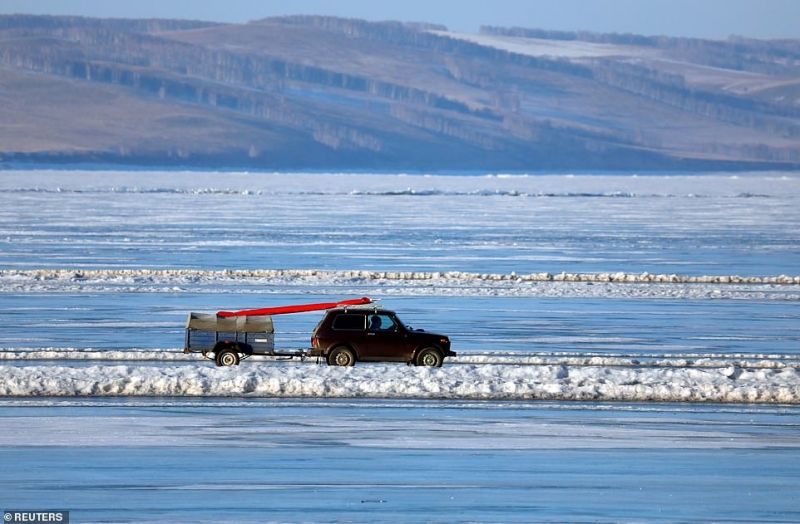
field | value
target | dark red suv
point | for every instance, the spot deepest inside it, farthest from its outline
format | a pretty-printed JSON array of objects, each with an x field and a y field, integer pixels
[{"x": 349, "y": 335}]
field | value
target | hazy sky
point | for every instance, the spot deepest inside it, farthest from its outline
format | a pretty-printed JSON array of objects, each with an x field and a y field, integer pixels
[{"x": 708, "y": 18}]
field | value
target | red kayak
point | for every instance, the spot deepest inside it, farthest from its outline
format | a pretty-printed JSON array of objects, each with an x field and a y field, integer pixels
[{"x": 299, "y": 308}]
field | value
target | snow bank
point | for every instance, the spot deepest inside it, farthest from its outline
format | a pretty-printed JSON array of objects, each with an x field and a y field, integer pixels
[
  {"x": 482, "y": 357},
  {"x": 172, "y": 274},
  {"x": 650, "y": 360},
  {"x": 23, "y": 354},
  {"x": 386, "y": 283},
  {"x": 499, "y": 382}
]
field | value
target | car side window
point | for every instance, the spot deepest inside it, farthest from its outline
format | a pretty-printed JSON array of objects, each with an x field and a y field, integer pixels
[
  {"x": 380, "y": 322},
  {"x": 349, "y": 322}
]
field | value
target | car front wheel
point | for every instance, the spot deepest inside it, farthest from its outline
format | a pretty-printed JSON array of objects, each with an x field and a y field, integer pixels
[
  {"x": 341, "y": 356},
  {"x": 429, "y": 357}
]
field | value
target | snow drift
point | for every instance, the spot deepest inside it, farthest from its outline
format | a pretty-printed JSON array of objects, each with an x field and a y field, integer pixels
[
  {"x": 166, "y": 275},
  {"x": 483, "y": 382},
  {"x": 387, "y": 283}
]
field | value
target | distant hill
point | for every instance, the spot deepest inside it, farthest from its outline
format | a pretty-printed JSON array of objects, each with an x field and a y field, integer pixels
[{"x": 321, "y": 93}]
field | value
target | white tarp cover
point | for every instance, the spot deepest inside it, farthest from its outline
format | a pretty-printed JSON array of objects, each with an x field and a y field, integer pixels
[{"x": 243, "y": 324}]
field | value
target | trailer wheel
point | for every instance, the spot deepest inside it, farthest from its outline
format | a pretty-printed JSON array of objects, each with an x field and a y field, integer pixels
[
  {"x": 227, "y": 357},
  {"x": 430, "y": 357},
  {"x": 341, "y": 356}
]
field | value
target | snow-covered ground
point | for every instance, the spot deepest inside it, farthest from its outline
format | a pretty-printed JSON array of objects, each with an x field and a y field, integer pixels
[
  {"x": 573, "y": 49},
  {"x": 477, "y": 381}
]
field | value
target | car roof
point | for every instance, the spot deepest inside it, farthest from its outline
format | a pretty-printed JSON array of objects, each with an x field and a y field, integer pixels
[{"x": 362, "y": 309}]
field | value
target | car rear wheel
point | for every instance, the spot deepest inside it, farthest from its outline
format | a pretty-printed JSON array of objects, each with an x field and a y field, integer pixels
[
  {"x": 341, "y": 356},
  {"x": 227, "y": 357},
  {"x": 430, "y": 357}
]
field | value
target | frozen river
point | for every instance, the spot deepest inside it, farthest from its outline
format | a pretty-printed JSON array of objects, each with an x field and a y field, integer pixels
[
  {"x": 628, "y": 347},
  {"x": 173, "y": 460},
  {"x": 706, "y": 225}
]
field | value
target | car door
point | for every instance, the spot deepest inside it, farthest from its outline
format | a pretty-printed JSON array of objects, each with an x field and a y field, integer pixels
[
  {"x": 349, "y": 329},
  {"x": 387, "y": 339}
]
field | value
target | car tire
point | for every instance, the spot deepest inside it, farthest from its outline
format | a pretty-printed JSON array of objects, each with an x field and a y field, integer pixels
[
  {"x": 227, "y": 357},
  {"x": 429, "y": 357},
  {"x": 341, "y": 356}
]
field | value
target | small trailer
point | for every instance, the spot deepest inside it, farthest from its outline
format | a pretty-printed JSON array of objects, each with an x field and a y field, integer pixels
[
  {"x": 229, "y": 337},
  {"x": 229, "y": 340}
]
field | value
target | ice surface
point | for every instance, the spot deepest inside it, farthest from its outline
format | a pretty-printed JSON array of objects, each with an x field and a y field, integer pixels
[
  {"x": 588, "y": 288},
  {"x": 469, "y": 425},
  {"x": 714, "y": 225},
  {"x": 299, "y": 460}
]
